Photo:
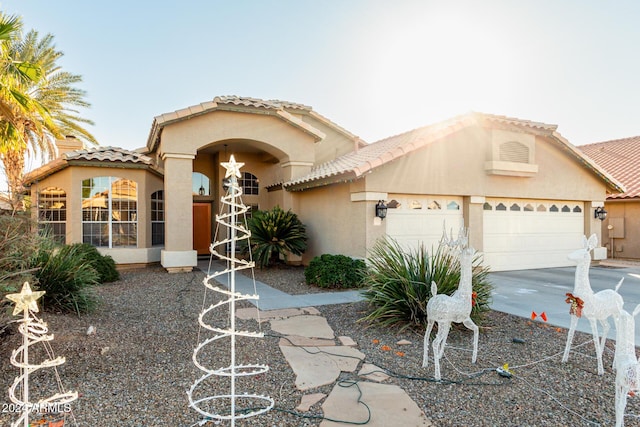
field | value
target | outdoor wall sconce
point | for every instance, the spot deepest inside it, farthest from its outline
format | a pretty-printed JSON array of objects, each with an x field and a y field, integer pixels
[
  {"x": 381, "y": 210},
  {"x": 600, "y": 213}
]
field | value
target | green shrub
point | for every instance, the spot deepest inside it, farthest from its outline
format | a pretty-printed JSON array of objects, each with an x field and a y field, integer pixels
[
  {"x": 335, "y": 271},
  {"x": 67, "y": 278},
  {"x": 104, "y": 264},
  {"x": 275, "y": 233},
  {"x": 398, "y": 282}
]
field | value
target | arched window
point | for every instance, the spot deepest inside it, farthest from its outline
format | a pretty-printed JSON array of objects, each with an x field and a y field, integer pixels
[
  {"x": 109, "y": 212},
  {"x": 52, "y": 212},
  {"x": 249, "y": 183},
  {"x": 200, "y": 184},
  {"x": 157, "y": 218}
]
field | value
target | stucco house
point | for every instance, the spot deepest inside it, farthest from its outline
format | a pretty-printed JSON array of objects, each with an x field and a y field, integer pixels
[
  {"x": 525, "y": 193},
  {"x": 621, "y": 228}
]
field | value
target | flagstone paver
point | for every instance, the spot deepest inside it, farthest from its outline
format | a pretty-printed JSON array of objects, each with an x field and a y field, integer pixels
[
  {"x": 308, "y": 400},
  {"x": 373, "y": 373},
  {"x": 299, "y": 341},
  {"x": 315, "y": 367},
  {"x": 253, "y": 313},
  {"x": 389, "y": 406},
  {"x": 305, "y": 326},
  {"x": 347, "y": 341}
]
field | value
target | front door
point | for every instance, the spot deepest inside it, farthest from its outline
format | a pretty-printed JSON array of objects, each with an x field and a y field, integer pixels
[{"x": 201, "y": 227}]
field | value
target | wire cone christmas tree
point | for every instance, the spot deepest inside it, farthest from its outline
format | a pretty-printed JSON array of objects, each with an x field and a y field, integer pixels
[
  {"x": 230, "y": 406},
  {"x": 34, "y": 330}
]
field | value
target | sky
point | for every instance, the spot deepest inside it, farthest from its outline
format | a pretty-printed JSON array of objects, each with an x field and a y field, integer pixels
[{"x": 376, "y": 68}]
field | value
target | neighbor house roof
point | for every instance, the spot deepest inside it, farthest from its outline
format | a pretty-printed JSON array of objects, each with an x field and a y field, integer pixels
[
  {"x": 356, "y": 164},
  {"x": 621, "y": 158},
  {"x": 287, "y": 111},
  {"x": 98, "y": 157}
]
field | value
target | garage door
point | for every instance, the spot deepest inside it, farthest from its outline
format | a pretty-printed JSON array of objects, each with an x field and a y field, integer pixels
[
  {"x": 526, "y": 234},
  {"x": 414, "y": 220}
]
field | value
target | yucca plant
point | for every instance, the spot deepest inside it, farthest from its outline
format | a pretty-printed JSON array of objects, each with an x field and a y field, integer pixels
[
  {"x": 398, "y": 282},
  {"x": 276, "y": 233}
]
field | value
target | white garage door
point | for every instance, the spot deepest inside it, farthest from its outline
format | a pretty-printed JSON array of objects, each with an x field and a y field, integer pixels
[
  {"x": 414, "y": 220},
  {"x": 526, "y": 234}
]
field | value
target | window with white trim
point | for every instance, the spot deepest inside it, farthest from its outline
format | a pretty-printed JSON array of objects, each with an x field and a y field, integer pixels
[
  {"x": 157, "y": 218},
  {"x": 110, "y": 212},
  {"x": 52, "y": 212},
  {"x": 249, "y": 183}
]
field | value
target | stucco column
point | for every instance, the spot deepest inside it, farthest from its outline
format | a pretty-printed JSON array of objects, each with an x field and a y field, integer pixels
[
  {"x": 594, "y": 225},
  {"x": 292, "y": 170},
  {"x": 473, "y": 212},
  {"x": 178, "y": 254}
]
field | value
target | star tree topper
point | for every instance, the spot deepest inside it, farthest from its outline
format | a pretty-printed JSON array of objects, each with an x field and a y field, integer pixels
[
  {"x": 232, "y": 167},
  {"x": 25, "y": 300}
]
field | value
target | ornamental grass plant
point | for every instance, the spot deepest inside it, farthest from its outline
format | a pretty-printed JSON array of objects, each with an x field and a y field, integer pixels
[
  {"x": 398, "y": 282},
  {"x": 68, "y": 279}
]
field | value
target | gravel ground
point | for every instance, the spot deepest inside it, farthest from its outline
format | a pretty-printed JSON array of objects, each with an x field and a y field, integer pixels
[{"x": 136, "y": 369}]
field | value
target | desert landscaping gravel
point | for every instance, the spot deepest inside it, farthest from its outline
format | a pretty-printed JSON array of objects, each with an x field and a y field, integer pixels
[{"x": 136, "y": 368}]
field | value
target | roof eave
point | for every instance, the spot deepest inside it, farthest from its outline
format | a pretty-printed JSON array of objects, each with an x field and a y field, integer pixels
[
  {"x": 614, "y": 185},
  {"x": 341, "y": 178}
]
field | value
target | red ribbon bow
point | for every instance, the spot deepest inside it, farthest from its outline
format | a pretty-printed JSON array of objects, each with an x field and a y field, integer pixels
[{"x": 576, "y": 304}]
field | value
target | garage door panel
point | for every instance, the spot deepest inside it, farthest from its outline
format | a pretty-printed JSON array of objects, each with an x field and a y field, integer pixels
[
  {"x": 531, "y": 239},
  {"x": 412, "y": 227}
]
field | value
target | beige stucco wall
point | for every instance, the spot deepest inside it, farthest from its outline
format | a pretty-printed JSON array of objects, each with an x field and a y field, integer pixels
[
  {"x": 268, "y": 133},
  {"x": 455, "y": 166},
  {"x": 334, "y": 224},
  {"x": 70, "y": 180},
  {"x": 624, "y": 217}
]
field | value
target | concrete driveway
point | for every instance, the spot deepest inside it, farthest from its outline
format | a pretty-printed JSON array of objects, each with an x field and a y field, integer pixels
[{"x": 525, "y": 291}]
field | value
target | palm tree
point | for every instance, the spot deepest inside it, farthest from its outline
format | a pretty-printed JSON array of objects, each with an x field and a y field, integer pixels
[
  {"x": 12, "y": 101},
  {"x": 48, "y": 114}
]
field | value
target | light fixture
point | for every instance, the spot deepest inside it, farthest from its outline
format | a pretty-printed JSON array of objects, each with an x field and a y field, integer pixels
[
  {"x": 381, "y": 210},
  {"x": 600, "y": 213},
  {"x": 201, "y": 189}
]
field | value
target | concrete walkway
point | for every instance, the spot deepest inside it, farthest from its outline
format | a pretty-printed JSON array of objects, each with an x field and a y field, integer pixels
[{"x": 273, "y": 299}]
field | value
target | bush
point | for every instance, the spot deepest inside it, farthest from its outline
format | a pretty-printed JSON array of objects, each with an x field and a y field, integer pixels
[
  {"x": 398, "y": 282},
  {"x": 17, "y": 243},
  {"x": 67, "y": 278},
  {"x": 103, "y": 264},
  {"x": 275, "y": 233},
  {"x": 335, "y": 271}
]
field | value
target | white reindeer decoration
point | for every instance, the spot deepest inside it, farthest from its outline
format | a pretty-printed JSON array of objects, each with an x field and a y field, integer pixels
[
  {"x": 625, "y": 362},
  {"x": 445, "y": 309},
  {"x": 594, "y": 306}
]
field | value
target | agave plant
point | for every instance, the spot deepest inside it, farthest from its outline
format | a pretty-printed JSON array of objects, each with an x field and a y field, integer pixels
[
  {"x": 275, "y": 234},
  {"x": 398, "y": 282}
]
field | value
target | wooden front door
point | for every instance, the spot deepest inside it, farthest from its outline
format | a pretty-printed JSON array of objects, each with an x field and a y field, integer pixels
[{"x": 201, "y": 227}]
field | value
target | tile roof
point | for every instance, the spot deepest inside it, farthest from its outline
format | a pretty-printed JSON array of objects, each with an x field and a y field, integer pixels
[
  {"x": 111, "y": 154},
  {"x": 101, "y": 156},
  {"x": 621, "y": 158},
  {"x": 287, "y": 111},
  {"x": 354, "y": 165},
  {"x": 260, "y": 103}
]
